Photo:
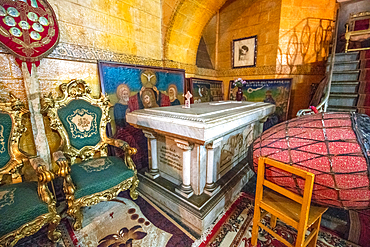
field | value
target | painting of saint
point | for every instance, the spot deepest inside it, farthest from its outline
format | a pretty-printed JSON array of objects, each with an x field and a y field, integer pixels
[
  {"x": 131, "y": 88},
  {"x": 172, "y": 93},
  {"x": 121, "y": 107}
]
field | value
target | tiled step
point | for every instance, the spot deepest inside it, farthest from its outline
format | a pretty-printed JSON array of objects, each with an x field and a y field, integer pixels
[
  {"x": 344, "y": 87},
  {"x": 340, "y": 109},
  {"x": 345, "y": 57},
  {"x": 345, "y": 76},
  {"x": 346, "y": 66},
  {"x": 342, "y": 100}
]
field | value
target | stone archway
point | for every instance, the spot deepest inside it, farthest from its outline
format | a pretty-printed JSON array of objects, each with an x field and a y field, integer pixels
[{"x": 185, "y": 27}]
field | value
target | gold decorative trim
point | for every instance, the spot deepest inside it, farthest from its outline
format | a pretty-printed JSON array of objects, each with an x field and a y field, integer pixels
[
  {"x": 74, "y": 206},
  {"x": 73, "y": 90},
  {"x": 15, "y": 109},
  {"x": 51, "y": 218},
  {"x": 77, "y": 89}
]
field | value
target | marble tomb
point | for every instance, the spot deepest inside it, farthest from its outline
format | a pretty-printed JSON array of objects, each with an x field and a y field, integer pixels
[{"x": 197, "y": 156}]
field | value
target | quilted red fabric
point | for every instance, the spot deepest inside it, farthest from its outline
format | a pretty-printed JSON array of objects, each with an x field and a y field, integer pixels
[
  {"x": 29, "y": 29},
  {"x": 331, "y": 146}
]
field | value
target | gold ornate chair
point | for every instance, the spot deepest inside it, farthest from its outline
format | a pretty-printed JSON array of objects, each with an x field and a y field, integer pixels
[
  {"x": 81, "y": 122},
  {"x": 25, "y": 206}
]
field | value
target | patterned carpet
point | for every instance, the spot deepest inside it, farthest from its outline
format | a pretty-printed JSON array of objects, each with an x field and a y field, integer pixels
[
  {"x": 233, "y": 229},
  {"x": 120, "y": 222},
  {"x": 126, "y": 223}
]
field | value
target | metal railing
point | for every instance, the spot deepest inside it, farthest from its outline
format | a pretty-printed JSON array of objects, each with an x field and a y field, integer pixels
[{"x": 323, "y": 105}]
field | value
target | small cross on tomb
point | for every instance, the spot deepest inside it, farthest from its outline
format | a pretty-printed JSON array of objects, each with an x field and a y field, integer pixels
[{"x": 188, "y": 96}]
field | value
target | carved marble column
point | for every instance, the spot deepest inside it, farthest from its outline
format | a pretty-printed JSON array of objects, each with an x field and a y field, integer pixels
[
  {"x": 33, "y": 91},
  {"x": 211, "y": 187},
  {"x": 186, "y": 190},
  {"x": 262, "y": 121},
  {"x": 153, "y": 161}
]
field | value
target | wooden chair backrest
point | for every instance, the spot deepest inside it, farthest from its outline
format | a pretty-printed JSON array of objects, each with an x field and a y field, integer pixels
[{"x": 304, "y": 200}]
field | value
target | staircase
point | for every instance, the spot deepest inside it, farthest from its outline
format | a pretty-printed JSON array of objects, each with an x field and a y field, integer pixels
[{"x": 345, "y": 83}]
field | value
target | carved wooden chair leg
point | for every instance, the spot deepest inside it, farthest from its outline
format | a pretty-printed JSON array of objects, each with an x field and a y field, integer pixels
[
  {"x": 273, "y": 221},
  {"x": 77, "y": 225},
  {"x": 53, "y": 234},
  {"x": 133, "y": 192},
  {"x": 256, "y": 220}
]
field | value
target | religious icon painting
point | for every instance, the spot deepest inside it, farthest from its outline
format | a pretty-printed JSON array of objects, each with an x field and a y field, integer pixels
[
  {"x": 28, "y": 29},
  {"x": 205, "y": 90},
  {"x": 273, "y": 91},
  {"x": 134, "y": 87},
  {"x": 244, "y": 52}
]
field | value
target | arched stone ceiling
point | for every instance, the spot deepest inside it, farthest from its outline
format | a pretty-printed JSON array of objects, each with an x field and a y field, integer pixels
[{"x": 185, "y": 28}]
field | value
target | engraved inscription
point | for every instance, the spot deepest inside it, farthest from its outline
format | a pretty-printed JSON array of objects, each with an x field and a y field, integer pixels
[{"x": 170, "y": 157}]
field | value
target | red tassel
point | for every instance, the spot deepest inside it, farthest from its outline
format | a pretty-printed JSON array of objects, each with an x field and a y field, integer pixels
[
  {"x": 29, "y": 64},
  {"x": 314, "y": 109}
]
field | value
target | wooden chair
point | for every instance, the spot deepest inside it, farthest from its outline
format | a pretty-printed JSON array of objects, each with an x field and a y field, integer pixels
[
  {"x": 26, "y": 204},
  {"x": 357, "y": 30},
  {"x": 90, "y": 176},
  {"x": 289, "y": 207}
]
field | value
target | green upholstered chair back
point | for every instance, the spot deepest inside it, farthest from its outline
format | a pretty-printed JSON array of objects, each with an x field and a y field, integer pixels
[
  {"x": 5, "y": 131},
  {"x": 11, "y": 129},
  {"x": 80, "y": 120}
]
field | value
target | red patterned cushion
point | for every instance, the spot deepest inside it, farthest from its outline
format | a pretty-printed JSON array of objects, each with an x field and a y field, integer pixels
[{"x": 327, "y": 145}]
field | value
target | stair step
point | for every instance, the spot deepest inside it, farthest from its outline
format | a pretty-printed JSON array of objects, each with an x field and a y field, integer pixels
[
  {"x": 346, "y": 75},
  {"x": 344, "y": 95},
  {"x": 346, "y": 66},
  {"x": 344, "y": 87},
  {"x": 342, "y": 100},
  {"x": 342, "y": 57},
  {"x": 341, "y": 109}
]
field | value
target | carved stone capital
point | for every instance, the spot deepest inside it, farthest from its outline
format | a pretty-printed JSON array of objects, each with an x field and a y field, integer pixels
[
  {"x": 262, "y": 120},
  {"x": 149, "y": 135},
  {"x": 215, "y": 143},
  {"x": 184, "y": 145}
]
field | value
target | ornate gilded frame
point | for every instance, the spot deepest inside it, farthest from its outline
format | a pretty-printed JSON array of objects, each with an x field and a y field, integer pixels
[
  {"x": 15, "y": 109},
  {"x": 78, "y": 89},
  {"x": 350, "y": 30}
]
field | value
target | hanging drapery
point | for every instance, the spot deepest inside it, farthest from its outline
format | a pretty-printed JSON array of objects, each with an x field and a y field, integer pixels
[{"x": 29, "y": 30}]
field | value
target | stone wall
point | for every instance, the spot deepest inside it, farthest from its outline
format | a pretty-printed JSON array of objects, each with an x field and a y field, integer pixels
[{"x": 166, "y": 34}]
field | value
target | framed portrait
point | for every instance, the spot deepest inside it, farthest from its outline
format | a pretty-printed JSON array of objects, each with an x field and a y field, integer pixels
[
  {"x": 133, "y": 87},
  {"x": 274, "y": 91},
  {"x": 244, "y": 52},
  {"x": 205, "y": 90}
]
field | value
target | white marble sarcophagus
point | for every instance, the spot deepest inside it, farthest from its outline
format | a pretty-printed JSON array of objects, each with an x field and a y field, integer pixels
[{"x": 197, "y": 156}]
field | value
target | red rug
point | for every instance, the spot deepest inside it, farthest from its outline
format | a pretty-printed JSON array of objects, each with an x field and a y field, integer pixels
[{"x": 234, "y": 228}]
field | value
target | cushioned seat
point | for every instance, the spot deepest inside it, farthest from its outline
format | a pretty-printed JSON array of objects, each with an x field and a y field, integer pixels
[
  {"x": 25, "y": 205},
  {"x": 89, "y": 175},
  {"x": 15, "y": 198},
  {"x": 100, "y": 174}
]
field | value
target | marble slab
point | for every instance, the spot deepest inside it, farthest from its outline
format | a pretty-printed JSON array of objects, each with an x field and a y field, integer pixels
[{"x": 202, "y": 122}]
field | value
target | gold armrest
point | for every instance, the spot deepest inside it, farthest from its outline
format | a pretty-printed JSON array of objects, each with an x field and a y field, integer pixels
[
  {"x": 64, "y": 168},
  {"x": 44, "y": 176},
  {"x": 129, "y": 151}
]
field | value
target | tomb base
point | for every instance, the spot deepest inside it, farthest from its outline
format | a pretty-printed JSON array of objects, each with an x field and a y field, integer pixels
[{"x": 198, "y": 212}]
